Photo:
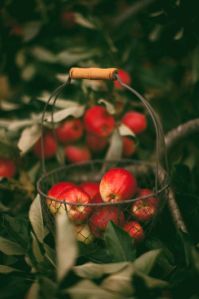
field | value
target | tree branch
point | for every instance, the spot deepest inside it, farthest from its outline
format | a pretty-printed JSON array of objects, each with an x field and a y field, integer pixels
[
  {"x": 172, "y": 204},
  {"x": 181, "y": 132}
]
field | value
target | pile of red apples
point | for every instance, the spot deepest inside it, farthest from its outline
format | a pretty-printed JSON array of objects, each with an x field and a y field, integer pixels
[
  {"x": 90, "y": 206},
  {"x": 83, "y": 138},
  {"x": 86, "y": 137}
]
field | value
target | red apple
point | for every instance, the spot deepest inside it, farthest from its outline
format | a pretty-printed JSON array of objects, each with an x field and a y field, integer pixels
[
  {"x": 150, "y": 200},
  {"x": 7, "y": 168},
  {"x": 135, "y": 230},
  {"x": 102, "y": 216},
  {"x": 97, "y": 199},
  {"x": 77, "y": 154},
  {"x": 136, "y": 121},
  {"x": 98, "y": 121},
  {"x": 17, "y": 30},
  {"x": 117, "y": 184},
  {"x": 142, "y": 210},
  {"x": 129, "y": 147},
  {"x": 50, "y": 146},
  {"x": 96, "y": 143},
  {"x": 76, "y": 211},
  {"x": 91, "y": 188},
  {"x": 125, "y": 77},
  {"x": 67, "y": 19},
  {"x": 70, "y": 131},
  {"x": 55, "y": 191},
  {"x": 83, "y": 234}
]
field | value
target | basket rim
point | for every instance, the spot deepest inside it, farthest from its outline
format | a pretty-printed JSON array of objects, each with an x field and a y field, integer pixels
[{"x": 65, "y": 203}]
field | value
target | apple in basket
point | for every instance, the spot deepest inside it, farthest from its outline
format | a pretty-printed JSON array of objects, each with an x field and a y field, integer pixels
[
  {"x": 145, "y": 209},
  {"x": 117, "y": 184},
  {"x": 83, "y": 233},
  {"x": 135, "y": 230},
  {"x": 91, "y": 188},
  {"x": 72, "y": 202},
  {"x": 55, "y": 192},
  {"x": 151, "y": 199},
  {"x": 102, "y": 216}
]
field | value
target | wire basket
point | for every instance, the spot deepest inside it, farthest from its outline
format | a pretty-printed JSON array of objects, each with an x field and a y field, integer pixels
[{"x": 152, "y": 176}]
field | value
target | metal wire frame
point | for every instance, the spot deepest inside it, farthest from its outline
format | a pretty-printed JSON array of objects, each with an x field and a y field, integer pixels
[{"x": 158, "y": 189}]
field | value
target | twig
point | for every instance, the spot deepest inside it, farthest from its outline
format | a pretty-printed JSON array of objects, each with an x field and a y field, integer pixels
[
  {"x": 175, "y": 212},
  {"x": 181, "y": 132},
  {"x": 172, "y": 204},
  {"x": 131, "y": 11}
]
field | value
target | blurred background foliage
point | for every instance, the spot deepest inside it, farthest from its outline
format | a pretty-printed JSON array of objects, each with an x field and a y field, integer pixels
[{"x": 156, "y": 41}]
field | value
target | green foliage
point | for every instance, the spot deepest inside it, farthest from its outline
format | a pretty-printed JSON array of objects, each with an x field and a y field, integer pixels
[
  {"x": 115, "y": 237},
  {"x": 157, "y": 44}
]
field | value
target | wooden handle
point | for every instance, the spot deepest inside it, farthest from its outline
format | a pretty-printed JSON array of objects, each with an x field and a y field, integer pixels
[{"x": 93, "y": 73}]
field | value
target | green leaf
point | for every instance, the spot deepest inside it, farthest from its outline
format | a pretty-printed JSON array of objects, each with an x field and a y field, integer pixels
[
  {"x": 50, "y": 254},
  {"x": 95, "y": 85},
  {"x": 36, "y": 250},
  {"x": 36, "y": 218},
  {"x": 125, "y": 131},
  {"x": 10, "y": 248},
  {"x": 43, "y": 54},
  {"x": 18, "y": 229},
  {"x": 115, "y": 149},
  {"x": 75, "y": 111},
  {"x": 60, "y": 103},
  {"x": 109, "y": 107},
  {"x": 115, "y": 237},
  {"x": 15, "y": 125},
  {"x": 30, "y": 30},
  {"x": 60, "y": 155},
  {"x": 151, "y": 282},
  {"x": 74, "y": 55},
  {"x": 7, "y": 149},
  {"x": 121, "y": 282},
  {"x": 66, "y": 246},
  {"x": 48, "y": 288},
  {"x": 66, "y": 57},
  {"x": 82, "y": 21},
  {"x": 86, "y": 289},
  {"x": 9, "y": 106},
  {"x": 28, "y": 72},
  {"x": 33, "y": 171},
  {"x": 191, "y": 252},
  {"x": 6, "y": 269},
  {"x": 3, "y": 208},
  {"x": 145, "y": 262},
  {"x": 195, "y": 258},
  {"x": 14, "y": 287},
  {"x": 95, "y": 271},
  {"x": 28, "y": 138}
]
